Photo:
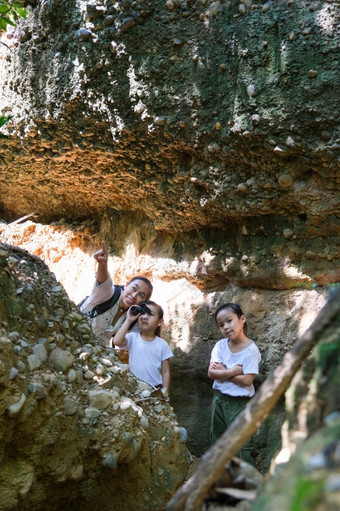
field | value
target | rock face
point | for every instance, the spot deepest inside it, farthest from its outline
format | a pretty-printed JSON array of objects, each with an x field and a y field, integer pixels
[
  {"x": 75, "y": 428},
  {"x": 209, "y": 128}
]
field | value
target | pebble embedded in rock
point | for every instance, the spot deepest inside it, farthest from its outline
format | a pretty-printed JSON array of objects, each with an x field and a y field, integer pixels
[
  {"x": 242, "y": 9},
  {"x": 61, "y": 360},
  {"x": 84, "y": 34},
  {"x": 37, "y": 390},
  {"x": 242, "y": 187},
  {"x": 127, "y": 24},
  {"x": 15, "y": 408},
  {"x": 100, "y": 399},
  {"x": 215, "y": 8},
  {"x": 287, "y": 233},
  {"x": 33, "y": 362},
  {"x": 183, "y": 435},
  {"x": 251, "y": 89},
  {"x": 13, "y": 373},
  {"x": 40, "y": 351},
  {"x": 110, "y": 461},
  {"x": 113, "y": 47},
  {"x": 160, "y": 120},
  {"x": 71, "y": 376},
  {"x": 92, "y": 413},
  {"x": 285, "y": 180}
]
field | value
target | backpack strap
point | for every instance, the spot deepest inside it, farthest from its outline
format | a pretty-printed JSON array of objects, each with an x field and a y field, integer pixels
[
  {"x": 104, "y": 306},
  {"x": 83, "y": 301}
]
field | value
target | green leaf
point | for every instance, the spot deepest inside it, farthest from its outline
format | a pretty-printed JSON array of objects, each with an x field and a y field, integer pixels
[
  {"x": 4, "y": 119},
  {"x": 7, "y": 21},
  {"x": 13, "y": 9},
  {"x": 21, "y": 11}
]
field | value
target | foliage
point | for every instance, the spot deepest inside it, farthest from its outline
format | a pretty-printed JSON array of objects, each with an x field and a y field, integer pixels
[
  {"x": 10, "y": 11},
  {"x": 307, "y": 494},
  {"x": 3, "y": 121}
]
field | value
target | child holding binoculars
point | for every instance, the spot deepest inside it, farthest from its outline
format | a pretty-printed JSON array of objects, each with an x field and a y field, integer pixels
[{"x": 148, "y": 354}]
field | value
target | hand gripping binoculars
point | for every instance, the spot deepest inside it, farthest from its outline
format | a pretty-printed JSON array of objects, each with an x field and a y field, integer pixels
[{"x": 140, "y": 309}]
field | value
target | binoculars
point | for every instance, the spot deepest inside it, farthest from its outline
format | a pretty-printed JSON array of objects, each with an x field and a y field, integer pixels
[{"x": 140, "y": 309}]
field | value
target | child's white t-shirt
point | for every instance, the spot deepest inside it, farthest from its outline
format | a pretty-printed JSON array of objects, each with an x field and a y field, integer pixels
[
  {"x": 249, "y": 359},
  {"x": 146, "y": 357}
]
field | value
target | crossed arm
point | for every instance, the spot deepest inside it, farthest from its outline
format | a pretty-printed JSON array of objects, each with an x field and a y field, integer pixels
[{"x": 218, "y": 371}]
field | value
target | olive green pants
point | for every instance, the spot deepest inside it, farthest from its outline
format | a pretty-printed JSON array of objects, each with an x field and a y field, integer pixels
[{"x": 223, "y": 412}]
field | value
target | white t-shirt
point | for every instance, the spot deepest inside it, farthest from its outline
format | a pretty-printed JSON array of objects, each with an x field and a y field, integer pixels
[
  {"x": 146, "y": 357},
  {"x": 249, "y": 359}
]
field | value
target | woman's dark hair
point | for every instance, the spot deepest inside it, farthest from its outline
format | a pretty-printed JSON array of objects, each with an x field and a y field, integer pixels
[
  {"x": 147, "y": 281},
  {"x": 235, "y": 307},
  {"x": 160, "y": 314}
]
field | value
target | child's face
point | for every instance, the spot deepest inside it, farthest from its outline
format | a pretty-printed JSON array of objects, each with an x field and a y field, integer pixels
[
  {"x": 150, "y": 321},
  {"x": 230, "y": 324}
]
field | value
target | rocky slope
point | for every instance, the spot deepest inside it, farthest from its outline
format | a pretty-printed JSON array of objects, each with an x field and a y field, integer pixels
[{"x": 76, "y": 429}]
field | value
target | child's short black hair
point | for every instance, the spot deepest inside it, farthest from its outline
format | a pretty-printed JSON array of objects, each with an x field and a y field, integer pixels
[{"x": 235, "y": 307}]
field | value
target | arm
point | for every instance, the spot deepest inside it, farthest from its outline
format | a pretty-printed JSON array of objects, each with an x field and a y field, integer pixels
[
  {"x": 101, "y": 256},
  {"x": 165, "y": 372},
  {"x": 243, "y": 380},
  {"x": 119, "y": 339},
  {"x": 218, "y": 371}
]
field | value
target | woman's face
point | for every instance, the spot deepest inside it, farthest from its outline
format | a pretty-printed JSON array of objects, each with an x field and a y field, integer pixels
[{"x": 134, "y": 293}]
